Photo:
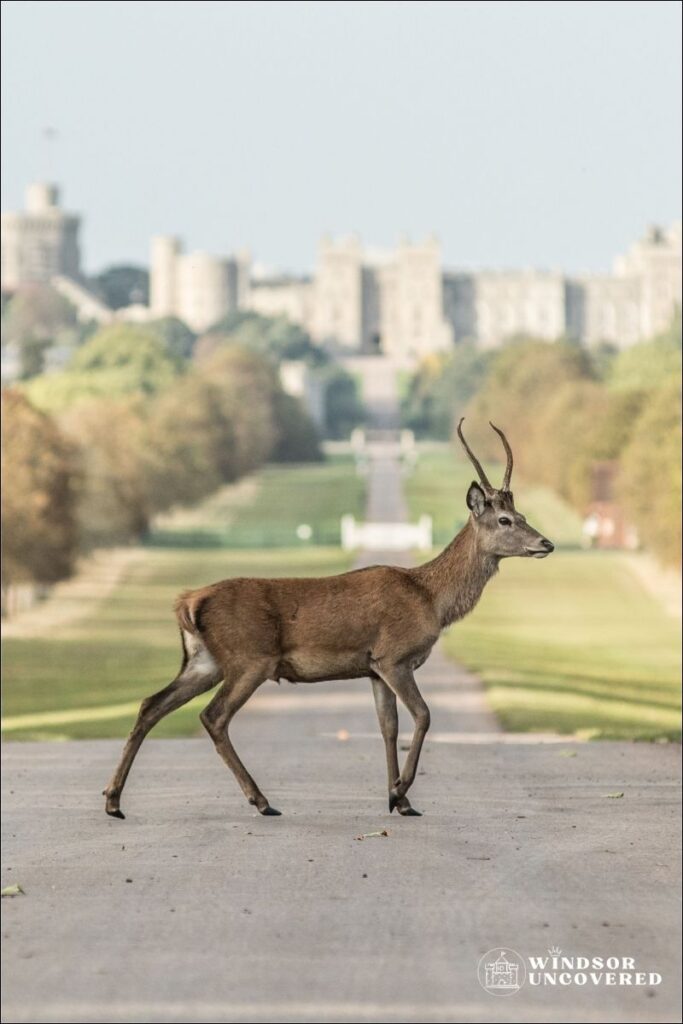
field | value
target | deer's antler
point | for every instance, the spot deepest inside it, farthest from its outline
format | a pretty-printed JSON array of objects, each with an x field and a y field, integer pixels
[
  {"x": 508, "y": 452},
  {"x": 472, "y": 457}
]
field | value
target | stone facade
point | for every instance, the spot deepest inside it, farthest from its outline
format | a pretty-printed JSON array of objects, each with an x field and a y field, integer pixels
[
  {"x": 40, "y": 241},
  {"x": 490, "y": 306},
  {"x": 195, "y": 287},
  {"x": 403, "y": 304},
  {"x": 364, "y": 301}
]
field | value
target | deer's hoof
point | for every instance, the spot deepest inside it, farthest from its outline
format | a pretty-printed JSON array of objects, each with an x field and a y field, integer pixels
[
  {"x": 269, "y": 811},
  {"x": 115, "y": 812},
  {"x": 409, "y": 812},
  {"x": 393, "y": 800}
]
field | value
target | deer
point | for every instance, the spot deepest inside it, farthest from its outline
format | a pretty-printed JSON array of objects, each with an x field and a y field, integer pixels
[{"x": 379, "y": 622}]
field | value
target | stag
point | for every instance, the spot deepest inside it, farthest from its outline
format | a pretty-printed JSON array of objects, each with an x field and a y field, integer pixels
[{"x": 379, "y": 622}]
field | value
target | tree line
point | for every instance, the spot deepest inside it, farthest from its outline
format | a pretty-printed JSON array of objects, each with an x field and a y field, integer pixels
[
  {"x": 141, "y": 419},
  {"x": 566, "y": 408}
]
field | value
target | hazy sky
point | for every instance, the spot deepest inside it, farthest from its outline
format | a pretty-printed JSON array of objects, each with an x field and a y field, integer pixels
[{"x": 523, "y": 134}]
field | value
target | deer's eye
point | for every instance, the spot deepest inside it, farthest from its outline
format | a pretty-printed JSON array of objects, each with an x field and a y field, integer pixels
[{"x": 504, "y": 521}]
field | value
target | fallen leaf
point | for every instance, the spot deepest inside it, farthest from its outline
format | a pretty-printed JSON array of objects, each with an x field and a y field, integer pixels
[
  {"x": 12, "y": 890},
  {"x": 372, "y": 835},
  {"x": 613, "y": 796}
]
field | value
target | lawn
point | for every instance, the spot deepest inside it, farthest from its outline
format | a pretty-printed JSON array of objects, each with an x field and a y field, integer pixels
[
  {"x": 572, "y": 644},
  {"x": 127, "y": 647},
  {"x": 266, "y": 509}
]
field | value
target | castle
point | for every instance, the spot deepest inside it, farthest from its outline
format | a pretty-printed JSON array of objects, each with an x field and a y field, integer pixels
[
  {"x": 401, "y": 303},
  {"x": 405, "y": 305}
]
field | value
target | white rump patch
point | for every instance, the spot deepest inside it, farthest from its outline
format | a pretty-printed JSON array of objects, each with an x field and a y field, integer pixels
[{"x": 200, "y": 662}]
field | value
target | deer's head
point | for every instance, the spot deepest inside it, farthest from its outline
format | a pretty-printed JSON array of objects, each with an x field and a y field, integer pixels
[{"x": 501, "y": 530}]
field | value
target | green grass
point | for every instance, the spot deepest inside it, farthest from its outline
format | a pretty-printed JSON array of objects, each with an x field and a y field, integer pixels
[
  {"x": 128, "y": 647},
  {"x": 570, "y": 644},
  {"x": 573, "y": 644},
  {"x": 266, "y": 509}
]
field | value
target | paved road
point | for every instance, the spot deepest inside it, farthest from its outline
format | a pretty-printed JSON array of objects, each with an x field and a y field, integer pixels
[{"x": 195, "y": 909}]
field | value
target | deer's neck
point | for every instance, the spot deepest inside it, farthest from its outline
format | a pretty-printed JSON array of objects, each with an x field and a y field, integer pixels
[{"x": 456, "y": 578}]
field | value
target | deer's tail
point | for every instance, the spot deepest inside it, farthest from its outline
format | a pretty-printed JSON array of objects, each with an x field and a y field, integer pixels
[{"x": 185, "y": 610}]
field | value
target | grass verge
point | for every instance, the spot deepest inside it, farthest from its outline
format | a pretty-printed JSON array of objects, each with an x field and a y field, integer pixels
[
  {"x": 128, "y": 646},
  {"x": 573, "y": 644}
]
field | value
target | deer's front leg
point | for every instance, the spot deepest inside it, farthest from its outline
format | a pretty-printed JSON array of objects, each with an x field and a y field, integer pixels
[
  {"x": 387, "y": 713},
  {"x": 401, "y": 680}
]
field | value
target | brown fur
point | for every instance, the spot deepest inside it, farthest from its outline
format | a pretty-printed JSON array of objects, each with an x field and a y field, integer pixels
[{"x": 380, "y": 622}]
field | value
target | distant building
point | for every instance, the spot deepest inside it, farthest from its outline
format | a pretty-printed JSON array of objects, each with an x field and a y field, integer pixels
[
  {"x": 491, "y": 306},
  {"x": 195, "y": 287},
  {"x": 637, "y": 300},
  {"x": 366, "y": 301},
  {"x": 40, "y": 241},
  {"x": 402, "y": 303}
]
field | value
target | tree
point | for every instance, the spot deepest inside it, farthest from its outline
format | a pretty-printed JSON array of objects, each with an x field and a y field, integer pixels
[
  {"x": 276, "y": 337},
  {"x": 123, "y": 359},
  {"x": 220, "y": 420},
  {"x": 37, "y": 312},
  {"x": 176, "y": 335},
  {"x": 246, "y": 383},
  {"x": 343, "y": 407},
  {"x": 55, "y": 392},
  {"x": 32, "y": 357},
  {"x": 440, "y": 390},
  {"x": 116, "y": 500},
  {"x": 39, "y": 493},
  {"x": 578, "y": 425},
  {"x": 649, "y": 364},
  {"x": 649, "y": 481},
  {"x": 522, "y": 377},
  {"x": 134, "y": 356},
  {"x": 296, "y": 436},
  {"x": 192, "y": 442},
  {"x": 33, "y": 319},
  {"x": 122, "y": 285}
]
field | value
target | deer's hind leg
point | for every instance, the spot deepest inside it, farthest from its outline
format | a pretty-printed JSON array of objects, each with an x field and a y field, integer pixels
[
  {"x": 198, "y": 673},
  {"x": 400, "y": 679},
  {"x": 387, "y": 713},
  {"x": 241, "y": 681}
]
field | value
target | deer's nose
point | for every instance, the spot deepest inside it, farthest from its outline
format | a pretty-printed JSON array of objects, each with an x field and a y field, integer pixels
[{"x": 547, "y": 544}]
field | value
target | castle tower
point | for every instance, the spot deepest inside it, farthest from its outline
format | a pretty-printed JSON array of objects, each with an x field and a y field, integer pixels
[
  {"x": 40, "y": 242},
  {"x": 163, "y": 288},
  {"x": 655, "y": 261},
  {"x": 418, "y": 325},
  {"x": 338, "y": 293}
]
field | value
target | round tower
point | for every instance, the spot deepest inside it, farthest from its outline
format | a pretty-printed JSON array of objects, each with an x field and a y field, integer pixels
[{"x": 163, "y": 274}]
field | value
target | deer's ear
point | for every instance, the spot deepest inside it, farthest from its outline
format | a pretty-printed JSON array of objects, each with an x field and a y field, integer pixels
[{"x": 476, "y": 499}]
